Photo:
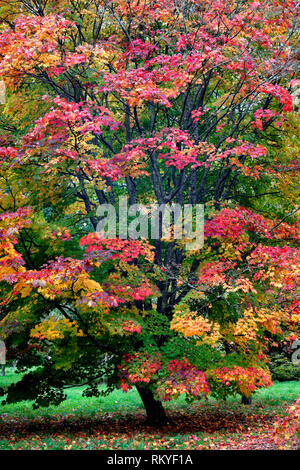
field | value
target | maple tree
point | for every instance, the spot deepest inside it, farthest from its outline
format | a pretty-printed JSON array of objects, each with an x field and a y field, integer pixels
[{"x": 165, "y": 102}]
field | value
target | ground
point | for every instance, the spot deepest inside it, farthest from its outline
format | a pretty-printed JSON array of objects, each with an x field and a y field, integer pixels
[{"x": 118, "y": 422}]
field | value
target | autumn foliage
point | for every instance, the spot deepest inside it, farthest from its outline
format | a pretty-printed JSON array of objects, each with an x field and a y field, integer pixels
[{"x": 164, "y": 102}]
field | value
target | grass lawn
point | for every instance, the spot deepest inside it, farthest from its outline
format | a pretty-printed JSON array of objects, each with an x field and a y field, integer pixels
[{"x": 118, "y": 422}]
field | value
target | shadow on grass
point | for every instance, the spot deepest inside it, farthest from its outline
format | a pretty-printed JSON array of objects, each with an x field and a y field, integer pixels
[{"x": 202, "y": 418}]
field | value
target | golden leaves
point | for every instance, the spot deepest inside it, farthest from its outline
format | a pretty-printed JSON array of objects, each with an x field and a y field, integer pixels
[
  {"x": 55, "y": 329},
  {"x": 85, "y": 283},
  {"x": 190, "y": 324}
]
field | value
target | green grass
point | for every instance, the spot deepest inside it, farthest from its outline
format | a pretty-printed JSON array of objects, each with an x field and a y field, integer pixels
[
  {"x": 117, "y": 421},
  {"x": 119, "y": 401}
]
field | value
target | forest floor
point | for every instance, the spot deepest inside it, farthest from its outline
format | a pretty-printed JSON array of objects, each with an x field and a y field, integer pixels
[{"x": 117, "y": 422}]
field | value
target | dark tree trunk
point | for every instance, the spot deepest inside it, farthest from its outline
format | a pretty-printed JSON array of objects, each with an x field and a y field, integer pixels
[
  {"x": 156, "y": 415},
  {"x": 246, "y": 400},
  {"x": 3, "y": 370}
]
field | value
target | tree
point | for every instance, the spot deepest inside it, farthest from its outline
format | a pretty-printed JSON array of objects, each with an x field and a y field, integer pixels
[{"x": 163, "y": 102}]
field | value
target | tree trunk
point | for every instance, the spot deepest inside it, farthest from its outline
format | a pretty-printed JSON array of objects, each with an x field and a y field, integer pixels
[
  {"x": 246, "y": 400},
  {"x": 3, "y": 370},
  {"x": 156, "y": 415}
]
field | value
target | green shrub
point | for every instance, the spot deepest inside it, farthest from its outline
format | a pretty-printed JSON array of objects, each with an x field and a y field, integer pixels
[{"x": 282, "y": 368}]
